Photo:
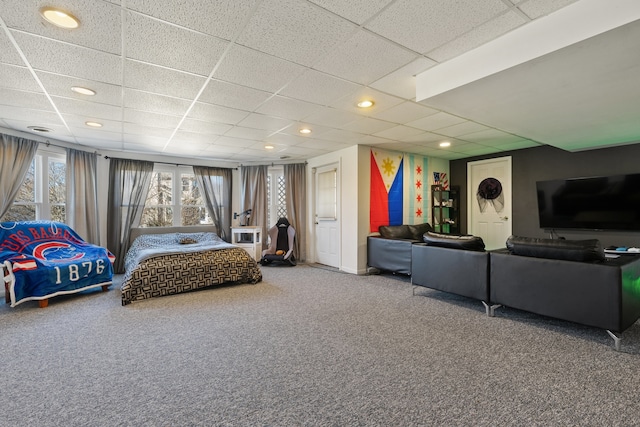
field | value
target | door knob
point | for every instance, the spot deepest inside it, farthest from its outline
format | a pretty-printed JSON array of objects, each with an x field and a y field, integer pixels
[{"x": 504, "y": 218}]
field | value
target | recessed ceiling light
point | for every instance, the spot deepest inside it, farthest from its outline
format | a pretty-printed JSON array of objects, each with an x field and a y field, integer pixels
[
  {"x": 59, "y": 18},
  {"x": 93, "y": 124},
  {"x": 39, "y": 129},
  {"x": 269, "y": 147},
  {"x": 305, "y": 131},
  {"x": 445, "y": 144},
  {"x": 83, "y": 90},
  {"x": 365, "y": 104}
]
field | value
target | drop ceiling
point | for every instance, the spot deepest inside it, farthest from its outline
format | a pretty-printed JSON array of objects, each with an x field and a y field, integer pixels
[{"x": 221, "y": 80}]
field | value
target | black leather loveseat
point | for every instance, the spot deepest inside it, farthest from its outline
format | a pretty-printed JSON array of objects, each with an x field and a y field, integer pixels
[
  {"x": 457, "y": 264},
  {"x": 569, "y": 280},
  {"x": 391, "y": 250}
]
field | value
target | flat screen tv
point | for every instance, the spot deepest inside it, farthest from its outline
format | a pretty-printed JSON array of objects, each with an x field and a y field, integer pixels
[{"x": 593, "y": 203}]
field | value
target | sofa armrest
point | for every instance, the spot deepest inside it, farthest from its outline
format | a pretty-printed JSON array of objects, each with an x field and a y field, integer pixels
[{"x": 389, "y": 254}]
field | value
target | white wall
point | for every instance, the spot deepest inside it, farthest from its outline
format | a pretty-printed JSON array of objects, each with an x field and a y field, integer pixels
[{"x": 355, "y": 188}]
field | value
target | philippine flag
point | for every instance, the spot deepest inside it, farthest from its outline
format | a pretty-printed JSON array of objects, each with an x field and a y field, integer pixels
[{"x": 386, "y": 189}]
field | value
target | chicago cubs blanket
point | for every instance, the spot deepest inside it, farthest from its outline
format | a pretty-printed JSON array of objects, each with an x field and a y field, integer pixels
[{"x": 42, "y": 259}]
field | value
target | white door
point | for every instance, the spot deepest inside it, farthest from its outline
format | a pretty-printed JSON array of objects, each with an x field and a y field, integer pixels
[
  {"x": 327, "y": 222},
  {"x": 488, "y": 208}
]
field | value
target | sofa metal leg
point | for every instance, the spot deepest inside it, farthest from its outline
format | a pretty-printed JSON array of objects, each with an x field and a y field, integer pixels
[
  {"x": 616, "y": 340},
  {"x": 490, "y": 309}
]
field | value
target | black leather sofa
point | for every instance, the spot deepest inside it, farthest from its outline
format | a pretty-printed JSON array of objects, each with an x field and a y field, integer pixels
[
  {"x": 569, "y": 280},
  {"x": 452, "y": 263},
  {"x": 391, "y": 250}
]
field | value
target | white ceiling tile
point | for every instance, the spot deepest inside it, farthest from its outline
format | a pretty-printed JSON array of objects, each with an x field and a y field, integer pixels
[
  {"x": 286, "y": 139},
  {"x": 160, "y": 80},
  {"x": 255, "y": 69},
  {"x": 23, "y": 99},
  {"x": 19, "y": 78},
  {"x": 142, "y": 147},
  {"x": 248, "y": 133},
  {"x": 537, "y": 8},
  {"x": 368, "y": 125},
  {"x": 100, "y": 25},
  {"x": 288, "y": 108},
  {"x": 342, "y": 136},
  {"x": 62, "y": 58},
  {"x": 326, "y": 145},
  {"x": 59, "y": 85},
  {"x": 8, "y": 52},
  {"x": 96, "y": 134},
  {"x": 381, "y": 100},
  {"x": 186, "y": 139},
  {"x": 234, "y": 142},
  {"x": 36, "y": 117},
  {"x": 136, "y": 129},
  {"x": 402, "y": 82},
  {"x": 357, "y": 11},
  {"x": 90, "y": 110},
  {"x": 372, "y": 140},
  {"x": 358, "y": 59},
  {"x": 476, "y": 37},
  {"x": 404, "y": 113},
  {"x": 205, "y": 127},
  {"x": 295, "y": 30},
  {"x": 220, "y": 18},
  {"x": 159, "y": 43},
  {"x": 462, "y": 129},
  {"x": 399, "y": 132},
  {"x": 99, "y": 144},
  {"x": 317, "y": 87},
  {"x": 432, "y": 22},
  {"x": 78, "y": 122},
  {"x": 233, "y": 96},
  {"x": 146, "y": 140},
  {"x": 217, "y": 113},
  {"x": 436, "y": 121},
  {"x": 261, "y": 121},
  {"x": 332, "y": 117},
  {"x": 423, "y": 138},
  {"x": 491, "y": 137},
  {"x": 153, "y": 103},
  {"x": 58, "y": 130},
  {"x": 146, "y": 118}
]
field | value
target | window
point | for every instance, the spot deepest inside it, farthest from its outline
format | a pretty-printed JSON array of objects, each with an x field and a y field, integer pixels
[
  {"x": 276, "y": 195},
  {"x": 42, "y": 195},
  {"x": 174, "y": 198}
]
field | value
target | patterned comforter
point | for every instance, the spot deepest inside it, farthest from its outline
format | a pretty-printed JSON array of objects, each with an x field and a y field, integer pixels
[{"x": 167, "y": 264}]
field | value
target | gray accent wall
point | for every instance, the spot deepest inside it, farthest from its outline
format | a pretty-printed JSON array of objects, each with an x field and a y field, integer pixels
[{"x": 544, "y": 163}]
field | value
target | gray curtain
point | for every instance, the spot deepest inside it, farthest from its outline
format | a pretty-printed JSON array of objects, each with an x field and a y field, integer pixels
[
  {"x": 82, "y": 194},
  {"x": 216, "y": 186},
  {"x": 295, "y": 181},
  {"x": 128, "y": 187},
  {"x": 254, "y": 196},
  {"x": 16, "y": 155}
]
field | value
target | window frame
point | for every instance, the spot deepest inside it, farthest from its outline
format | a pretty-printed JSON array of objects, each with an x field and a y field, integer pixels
[
  {"x": 41, "y": 174},
  {"x": 176, "y": 206}
]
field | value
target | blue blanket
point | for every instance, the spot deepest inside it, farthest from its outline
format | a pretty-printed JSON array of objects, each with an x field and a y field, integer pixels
[{"x": 44, "y": 259}]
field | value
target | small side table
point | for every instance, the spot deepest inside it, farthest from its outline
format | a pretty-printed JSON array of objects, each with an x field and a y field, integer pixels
[{"x": 248, "y": 237}]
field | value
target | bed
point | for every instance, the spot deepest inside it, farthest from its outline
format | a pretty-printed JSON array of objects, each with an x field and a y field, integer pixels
[
  {"x": 43, "y": 259},
  {"x": 170, "y": 260}
]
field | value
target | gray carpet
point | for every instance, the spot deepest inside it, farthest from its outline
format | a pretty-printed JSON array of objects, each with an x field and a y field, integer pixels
[{"x": 308, "y": 347}]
